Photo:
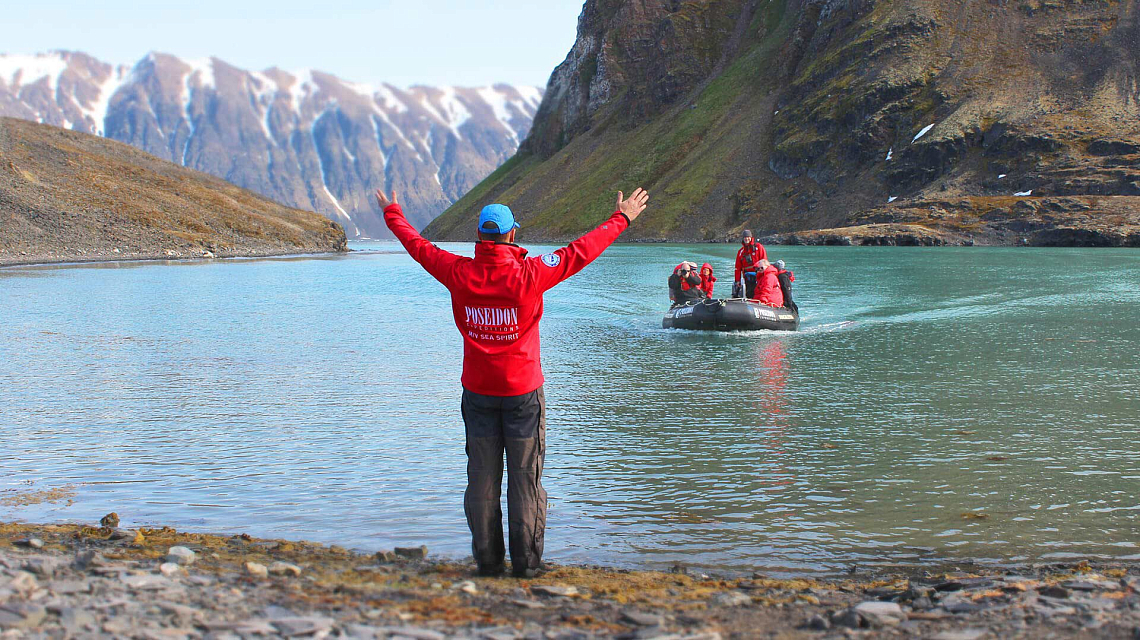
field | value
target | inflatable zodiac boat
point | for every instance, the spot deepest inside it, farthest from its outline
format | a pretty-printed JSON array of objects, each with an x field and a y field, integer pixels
[{"x": 730, "y": 315}]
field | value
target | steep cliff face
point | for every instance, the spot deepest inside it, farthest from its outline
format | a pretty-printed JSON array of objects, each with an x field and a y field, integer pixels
[
  {"x": 307, "y": 139},
  {"x": 69, "y": 196},
  {"x": 982, "y": 121}
]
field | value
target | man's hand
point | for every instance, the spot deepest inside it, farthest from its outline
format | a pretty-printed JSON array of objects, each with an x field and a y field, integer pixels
[
  {"x": 383, "y": 200},
  {"x": 634, "y": 205}
]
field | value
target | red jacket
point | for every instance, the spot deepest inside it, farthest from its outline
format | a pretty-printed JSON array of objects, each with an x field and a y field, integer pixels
[
  {"x": 748, "y": 258},
  {"x": 496, "y": 298},
  {"x": 707, "y": 281},
  {"x": 768, "y": 288}
]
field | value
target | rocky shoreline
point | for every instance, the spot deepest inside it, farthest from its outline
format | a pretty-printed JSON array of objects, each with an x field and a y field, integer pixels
[
  {"x": 103, "y": 256},
  {"x": 63, "y": 581}
]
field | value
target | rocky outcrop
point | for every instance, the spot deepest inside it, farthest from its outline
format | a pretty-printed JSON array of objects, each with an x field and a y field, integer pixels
[
  {"x": 307, "y": 139},
  {"x": 796, "y": 115},
  {"x": 68, "y": 196}
]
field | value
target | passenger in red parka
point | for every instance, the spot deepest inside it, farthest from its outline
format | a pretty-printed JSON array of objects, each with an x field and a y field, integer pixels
[
  {"x": 768, "y": 286},
  {"x": 496, "y": 299},
  {"x": 707, "y": 279},
  {"x": 747, "y": 263}
]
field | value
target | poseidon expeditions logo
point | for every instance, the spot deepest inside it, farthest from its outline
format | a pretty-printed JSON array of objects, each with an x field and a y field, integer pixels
[{"x": 493, "y": 323}]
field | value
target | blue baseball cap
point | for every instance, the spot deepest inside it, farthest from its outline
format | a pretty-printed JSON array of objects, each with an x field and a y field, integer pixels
[{"x": 497, "y": 218}]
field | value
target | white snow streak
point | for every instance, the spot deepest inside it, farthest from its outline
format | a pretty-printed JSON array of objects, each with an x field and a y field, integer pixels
[
  {"x": 924, "y": 131},
  {"x": 379, "y": 143},
  {"x": 390, "y": 100},
  {"x": 532, "y": 96},
  {"x": 1024, "y": 193},
  {"x": 892, "y": 199},
  {"x": 204, "y": 68},
  {"x": 1001, "y": 176},
  {"x": 321, "y": 166},
  {"x": 450, "y": 111},
  {"x": 399, "y": 133},
  {"x": 97, "y": 111},
  {"x": 890, "y": 154},
  {"x": 498, "y": 103},
  {"x": 264, "y": 90},
  {"x": 302, "y": 87},
  {"x": 187, "y": 96}
]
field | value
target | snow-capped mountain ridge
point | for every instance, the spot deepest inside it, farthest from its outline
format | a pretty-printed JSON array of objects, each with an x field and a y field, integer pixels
[{"x": 306, "y": 138}]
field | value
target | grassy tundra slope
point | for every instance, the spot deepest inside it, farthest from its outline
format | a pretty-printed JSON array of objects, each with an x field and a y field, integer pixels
[
  {"x": 68, "y": 196},
  {"x": 795, "y": 115}
]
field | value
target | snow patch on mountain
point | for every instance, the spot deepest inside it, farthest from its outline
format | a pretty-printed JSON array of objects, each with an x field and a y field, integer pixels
[
  {"x": 498, "y": 103},
  {"x": 96, "y": 111},
  {"x": 532, "y": 96},
  {"x": 18, "y": 71}
]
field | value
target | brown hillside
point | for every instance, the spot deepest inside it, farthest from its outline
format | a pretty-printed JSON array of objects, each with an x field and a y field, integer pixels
[
  {"x": 779, "y": 116},
  {"x": 72, "y": 196}
]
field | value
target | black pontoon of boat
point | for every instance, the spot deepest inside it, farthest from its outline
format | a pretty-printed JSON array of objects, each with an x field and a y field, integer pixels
[{"x": 734, "y": 314}]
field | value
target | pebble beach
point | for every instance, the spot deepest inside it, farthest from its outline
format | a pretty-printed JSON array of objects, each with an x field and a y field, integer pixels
[{"x": 76, "y": 581}]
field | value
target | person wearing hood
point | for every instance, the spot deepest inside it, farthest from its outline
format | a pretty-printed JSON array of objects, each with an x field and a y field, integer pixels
[
  {"x": 786, "y": 279},
  {"x": 747, "y": 263},
  {"x": 708, "y": 280},
  {"x": 684, "y": 284},
  {"x": 768, "y": 286}
]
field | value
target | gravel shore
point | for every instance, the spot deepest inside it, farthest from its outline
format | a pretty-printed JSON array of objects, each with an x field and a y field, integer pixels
[
  {"x": 97, "y": 257},
  {"x": 61, "y": 581}
]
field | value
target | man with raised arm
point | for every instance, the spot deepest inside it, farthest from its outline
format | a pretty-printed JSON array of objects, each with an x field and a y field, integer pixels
[{"x": 496, "y": 298}]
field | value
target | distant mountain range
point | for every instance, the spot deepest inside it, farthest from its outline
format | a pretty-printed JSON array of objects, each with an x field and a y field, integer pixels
[{"x": 307, "y": 139}]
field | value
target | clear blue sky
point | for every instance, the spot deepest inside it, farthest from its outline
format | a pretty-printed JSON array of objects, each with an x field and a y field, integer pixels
[{"x": 404, "y": 42}]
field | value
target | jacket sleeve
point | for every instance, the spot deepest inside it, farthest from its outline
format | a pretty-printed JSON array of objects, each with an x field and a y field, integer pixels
[
  {"x": 553, "y": 268},
  {"x": 736, "y": 277},
  {"x": 436, "y": 261}
]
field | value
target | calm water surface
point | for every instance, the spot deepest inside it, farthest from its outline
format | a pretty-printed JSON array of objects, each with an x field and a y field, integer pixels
[{"x": 948, "y": 404}]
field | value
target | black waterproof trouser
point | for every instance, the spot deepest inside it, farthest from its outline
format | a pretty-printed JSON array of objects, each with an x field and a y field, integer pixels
[
  {"x": 749, "y": 285},
  {"x": 515, "y": 425}
]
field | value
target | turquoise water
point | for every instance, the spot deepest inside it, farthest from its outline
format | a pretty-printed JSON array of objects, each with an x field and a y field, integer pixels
[{"x": 318, "y": 398}]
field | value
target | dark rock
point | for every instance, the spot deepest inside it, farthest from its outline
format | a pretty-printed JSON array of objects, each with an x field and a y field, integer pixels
[
  {"x": 1091, "y": 585},
  {"x": 30, "y": 543},
  {"x": 847, "y": 618},
  {"x": 89, "y": 559},
  {"x": 110, "y": 520},
  {"x": 818, "y": 622},
  {"x": 45, "y": 567},
  {"x": 293, "y": 627},
  {"x": 1054, "y": 591},
  {"x": 412, "y": 553},
  {"x": 962, "y": 606},
  {"x": 554, "y": 590},
  {"x": 922, "y": 604}
]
